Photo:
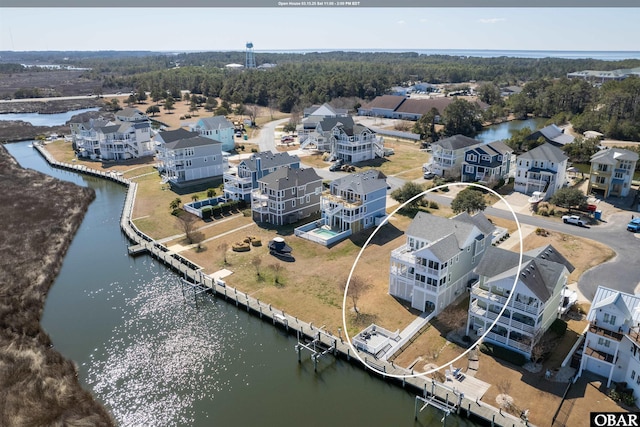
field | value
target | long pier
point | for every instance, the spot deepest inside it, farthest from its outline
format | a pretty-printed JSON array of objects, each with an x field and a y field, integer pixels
[{"x": 317, "y": 341}]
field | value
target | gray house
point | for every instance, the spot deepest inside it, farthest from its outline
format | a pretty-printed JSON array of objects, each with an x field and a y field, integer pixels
[
  {"x": 286, "y": 196},
  {"x": 190, "y": 159},
  {"x": 241, "y": 180},
  {"x": 436, "y": 263}
]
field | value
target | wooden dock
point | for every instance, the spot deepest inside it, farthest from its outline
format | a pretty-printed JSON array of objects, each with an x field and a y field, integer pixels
[{"x": 318, "y": 342}]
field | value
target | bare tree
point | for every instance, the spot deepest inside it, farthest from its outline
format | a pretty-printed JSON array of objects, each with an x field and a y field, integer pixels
[
  {"x": 357, "y": 286},
  {"x": 224, "y": 247},
  {"x": 452, "y": 318},
  {"x": 256, "y": 261},
  {"x": 187, "y": 223},
  {"x": 277, "y": 269},
  {"x": 252, "y": 112},
  {"x": 542, "y": 344}
]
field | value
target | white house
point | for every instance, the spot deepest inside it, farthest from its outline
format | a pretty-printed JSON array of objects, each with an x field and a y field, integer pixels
[
  {"x": 536, "y": 299},
  {"x": 435, "y": 264},
  {"x": 612, "y": 341},
  {"x": 341, "y": 137},
  {"x": 542, "y": 169},
  {"x": 190, "y": 159},
  {"x": 447, "y": 156},
  {"x": 86, "y": 138},
  {"x": 612, "y": 171}
]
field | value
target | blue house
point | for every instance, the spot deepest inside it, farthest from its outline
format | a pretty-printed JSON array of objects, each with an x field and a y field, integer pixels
[
  {"x": 487, "y": 163},
  {"x": 217, "y": 128}
]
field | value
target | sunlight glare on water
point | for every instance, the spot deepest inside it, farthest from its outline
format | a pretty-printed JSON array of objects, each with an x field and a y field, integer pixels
[{"x": 162, "y": 341}]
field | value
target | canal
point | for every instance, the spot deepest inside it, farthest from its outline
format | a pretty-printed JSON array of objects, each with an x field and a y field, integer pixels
[{"x": 155, "y": 360}]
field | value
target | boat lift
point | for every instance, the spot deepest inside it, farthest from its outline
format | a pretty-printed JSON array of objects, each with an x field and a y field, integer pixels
[{"x": 316, "y": 347}]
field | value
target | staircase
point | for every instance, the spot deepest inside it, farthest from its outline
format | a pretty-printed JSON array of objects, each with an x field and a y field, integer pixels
[{"x": 378, "y": 147}]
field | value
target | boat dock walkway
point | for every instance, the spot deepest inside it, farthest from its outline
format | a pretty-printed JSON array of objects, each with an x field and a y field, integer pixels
[{"x": 455, "y": 396}]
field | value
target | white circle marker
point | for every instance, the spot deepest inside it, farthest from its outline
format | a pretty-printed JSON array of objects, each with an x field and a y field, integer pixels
[{"x": 355, "y": 263}]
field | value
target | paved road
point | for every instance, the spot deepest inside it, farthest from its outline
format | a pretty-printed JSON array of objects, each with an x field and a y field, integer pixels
[
  {"x": 62, "y": 98},
  {"x": 267, "y": 138}
]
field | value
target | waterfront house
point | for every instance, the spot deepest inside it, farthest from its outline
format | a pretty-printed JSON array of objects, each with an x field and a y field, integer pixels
[
  {"x": 241, "y": 180},
  {"x": 612, "y": 340},
  {"x": 341, "y": 137},
  {"x": 165, "y": 136},
  {"x": 487, "y": 163},
  {"x": 448, "y": 155},
  {"x": 611, "y": 172},
  {"x": 190, "y": 159},
  {"x": 354, "y": 202},
  {"x": 129, "y": 114},
  {"x": 217, "y": 128},
  {"x": 286, "y": 196},
  {"x": 553, "y": 135},
  {"x": 85, "y": 137},
  {"x": 435, "y": 264},
  {"x": 536, "y": 299},
  {"x": 542, "y": 169}
]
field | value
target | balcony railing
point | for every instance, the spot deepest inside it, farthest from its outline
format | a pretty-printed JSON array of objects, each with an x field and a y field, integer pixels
[
  {"x": 484, "y": 294},
  {"x": 595, "y": 329},
  {"x": 349, "y": 203},
  {"x": 600, "y": 355},
  {"x": 634, "y": 335}
]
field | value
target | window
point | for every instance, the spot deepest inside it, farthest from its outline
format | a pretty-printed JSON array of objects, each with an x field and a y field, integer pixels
[
  {"x": 472, "y": 157},
  {"x": 633, "y": 375},
  {"x": 187, "y": 163},
  {"x": 602, "y": 168},
  {"x": 468, "y": 169},
  {"x": 293, "y": 203},
  {"x": 485, "y": 158}
]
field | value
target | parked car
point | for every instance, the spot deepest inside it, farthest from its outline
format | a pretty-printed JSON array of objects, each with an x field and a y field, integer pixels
[
  {"x": 574, "y": 219},
  {"x": 286, "y": 138},
  {"x": 429, "y": 175},
  {"x": 238, "y": 134},
  {"x": 634, "y": 225}
]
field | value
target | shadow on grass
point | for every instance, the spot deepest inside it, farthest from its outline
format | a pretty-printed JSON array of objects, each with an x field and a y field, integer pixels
[{"x": 386, "y": 234}]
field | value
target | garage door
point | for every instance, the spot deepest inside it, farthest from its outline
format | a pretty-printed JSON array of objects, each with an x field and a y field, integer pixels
[{"x": 597, "y": 367}]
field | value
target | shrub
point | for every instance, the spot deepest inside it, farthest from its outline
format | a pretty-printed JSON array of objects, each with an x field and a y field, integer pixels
[
  {"x": 254, "y": 150},
  {"x": 207, "y": 211},
  {"x": 433, "y": 205},
  {"x": 240, "y": 247},
  {"x": 558, "y": 327},
  {"x": 503, "y": 353}
]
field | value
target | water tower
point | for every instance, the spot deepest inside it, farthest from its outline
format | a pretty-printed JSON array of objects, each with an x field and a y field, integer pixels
[{"x": 250, "y": 61}]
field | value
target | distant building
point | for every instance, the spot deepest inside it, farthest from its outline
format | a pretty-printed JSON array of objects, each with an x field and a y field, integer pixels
[
  {"x": 184, "y": 160},
  {"x": 553, "y": 135},
  {"x": 612, "y": 342},
  {"x": 435, "y": 264},
  {"x": 286, "y": 196},
  {"x": 604, "y": 76},
  {"x": 325, "y": 110},
  {"x": 542, "y": 169},
  {"x": 612, "y": 171},
  {"x": 536, "y": 299},
  {"x": 401, "y": 107},
  {"x": 241, "y": 180}
]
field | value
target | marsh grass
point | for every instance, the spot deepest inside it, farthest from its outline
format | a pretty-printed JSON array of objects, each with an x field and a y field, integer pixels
[{"x": 38, "y": 387}]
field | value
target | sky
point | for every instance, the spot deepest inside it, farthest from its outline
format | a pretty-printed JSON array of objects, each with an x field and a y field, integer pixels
[{"x": 271, "y": 29}]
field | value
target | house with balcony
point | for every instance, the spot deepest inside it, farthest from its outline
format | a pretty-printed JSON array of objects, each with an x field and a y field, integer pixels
[
  {"x": 286, "y": 196},
  {"x": 241, "y": 180},
  {"x": 487, "y": 163},
  {"x": 612, "y": 340},
  {"x": 341, "y": 137},
  {"x": 354, "y": 202},
  {"x": 525, "y": 304},
  {"x": 611, "y": 172},
  {"x": 86, "y": 138},
  {"x": 189, "y": 160},
  {"x": 542, "y": 169},
  {"x": 218, "y": 128},
  {"x": 448, "y": 155},
  {"x": 436, "y": 263},
  {"x": 125, "y": 140}
]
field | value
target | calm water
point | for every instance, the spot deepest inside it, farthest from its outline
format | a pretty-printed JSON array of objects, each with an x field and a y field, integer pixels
[
  {"x": 37, "y": 119},
  {"x": 504, "y": 130},
  {"x": 156, "y": 361}
]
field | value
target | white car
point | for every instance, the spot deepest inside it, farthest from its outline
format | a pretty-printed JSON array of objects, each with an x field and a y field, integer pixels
[{"x": 574, "y": 219}]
